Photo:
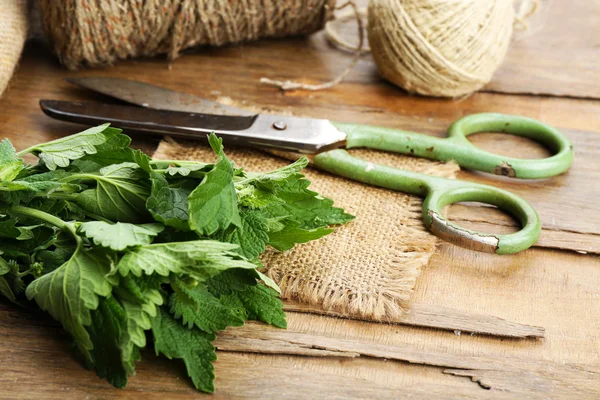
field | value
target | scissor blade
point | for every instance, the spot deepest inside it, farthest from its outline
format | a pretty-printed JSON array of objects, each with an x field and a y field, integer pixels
[
  {"x": 146, "y": 95},
  {"x": 304, "y": 135}
]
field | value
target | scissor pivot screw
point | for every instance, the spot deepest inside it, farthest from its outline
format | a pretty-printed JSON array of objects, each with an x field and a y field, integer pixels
[{"x": 279, "y": 125}]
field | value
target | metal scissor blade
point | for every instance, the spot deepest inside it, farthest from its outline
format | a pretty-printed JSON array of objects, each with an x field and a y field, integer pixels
[
  {"x": 146, "y": 95},
  {"x": 304, "y": 135}
]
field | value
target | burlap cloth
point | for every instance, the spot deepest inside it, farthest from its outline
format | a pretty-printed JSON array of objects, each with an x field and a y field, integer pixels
[
  {"x": 366, "y": 268},
  {"x": 13, "y": 32}
]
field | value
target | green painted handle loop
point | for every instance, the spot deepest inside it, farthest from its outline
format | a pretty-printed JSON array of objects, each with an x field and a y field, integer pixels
[
  {"x": 458, "y": 148},
  {"x": 438, "y": 193}
]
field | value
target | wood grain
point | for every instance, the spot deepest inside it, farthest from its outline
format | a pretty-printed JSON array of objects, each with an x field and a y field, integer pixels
[
  {"x": 436, "y": 317},
  {"x": 540, "y": 287},
  {"x": 367, "y": 101},
  {"x": 501, "y": 373},
  {"x": 557, "y": 56}
]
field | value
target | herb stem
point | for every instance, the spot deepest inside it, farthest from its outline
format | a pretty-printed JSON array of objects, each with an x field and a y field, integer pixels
[
  {"x": 179, "y": 163},
  {"x": 26, "y": 151},
  {"x": 45, "y": 217}
]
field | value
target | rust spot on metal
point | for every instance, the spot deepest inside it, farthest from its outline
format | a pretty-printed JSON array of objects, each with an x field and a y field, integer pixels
[
  {"x": 429, "y": 148},
  {"x": 462, "y": 237},
  {"x": 505, "y": 169}
]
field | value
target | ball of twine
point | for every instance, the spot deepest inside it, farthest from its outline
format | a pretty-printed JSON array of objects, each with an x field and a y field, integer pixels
[
  {"x": 99, "y": 32},
  {"x": 445, "y": 48},
  {"x": 439, "y": 47}
]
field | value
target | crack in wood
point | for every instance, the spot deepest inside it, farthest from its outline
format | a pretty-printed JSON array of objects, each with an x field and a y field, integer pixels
[
  {"x": 510, "y": 374},
  {"x": 445, "y": 318}
]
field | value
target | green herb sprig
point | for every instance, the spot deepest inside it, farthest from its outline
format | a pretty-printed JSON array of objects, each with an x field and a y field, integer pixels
[{"x": 120, "y": 248}]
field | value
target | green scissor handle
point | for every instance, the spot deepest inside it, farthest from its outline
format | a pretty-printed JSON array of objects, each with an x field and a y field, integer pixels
[
  {"x": 458, "y": 148},
  {"x": 440, "y": 192}
]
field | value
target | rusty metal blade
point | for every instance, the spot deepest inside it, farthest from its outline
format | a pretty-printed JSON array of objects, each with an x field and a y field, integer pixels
[
  {"x": 305, "y": 135},
  {"x": 147, "y": 95}
]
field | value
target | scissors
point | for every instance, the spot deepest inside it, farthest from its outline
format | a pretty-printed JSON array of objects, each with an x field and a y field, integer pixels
[{"x": 186, "y": 116}]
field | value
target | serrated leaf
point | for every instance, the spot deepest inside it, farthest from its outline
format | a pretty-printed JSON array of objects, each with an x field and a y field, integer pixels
[
  {"x": 108, "y": 323},
  {"x": 213, "y": 204},
  {"x": 120, "y": 195},
  {"x": 60, "y": 152},
  {"x": 25, "y": 190},
  {"x": 69, "y": 293},
  {"x": 140, "y": 299},
  {"x": 9, "y": 230},
  {"x": 251, "y": 236},
  {"x": 198, "y": 307},
  {"x": 201, "y": 259},
  {"x": 238, "y": 290},
  {"x": 272, "y": 178},
  {"x": 116, "y": 151},
  {"x": 193, "y": 346},
  {"x": 194, "y": 169},
  {"x": 169, "y": 205},
  {"x": 10, "y": 163},
  {"x": 291, "y": 235},
  {"x": 120, "y": 236},
  {"x": 305, "y": 206}
]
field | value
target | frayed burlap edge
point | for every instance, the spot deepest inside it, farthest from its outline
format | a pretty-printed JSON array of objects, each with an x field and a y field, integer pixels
[{"x": 366, "y": 268}]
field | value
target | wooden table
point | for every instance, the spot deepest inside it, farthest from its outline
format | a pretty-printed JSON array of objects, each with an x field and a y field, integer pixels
[{"x": 553, "y": 285}]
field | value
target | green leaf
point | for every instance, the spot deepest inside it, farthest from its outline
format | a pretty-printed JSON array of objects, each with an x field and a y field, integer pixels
[
  {"x": 193, "y": 169},
  {"x": 239, "y": 291},
  {"x": 10, "y": 163},
  {"x": 120, "y": 236},
  {"x": 273, "y": 178},
  {"x": 4, "y": 267},
  {"x": 120, "y": 194},
  {"x": 201, "y": 259},
  {"x": 108, "y": 323},
  {"x": 5, "y": 288},
  {"x": 251, "y": 236},
  {"x": 213, "y": 204},
  {"x": 140, "y": 299},
  {"x": 116, "y": 151},
  {"x": 60, "y": 152},
  {"x": 167, "y": 204},
  {"x": 26, "y": 189},
  {"x": 305, "y": 206},
  {"x": 193, "y": 346},
  {"x": 268, "y": 282},
  {"x": 197, "y": 306},
  {"x": 9, "y": 230},
  {"x": 291, "y": 235},
  {"x": 6, "y": 291},
  {"x": 69, "y": 293},
  {"x": 52, "y": 259},
  {"x": 42, "y": 239}
]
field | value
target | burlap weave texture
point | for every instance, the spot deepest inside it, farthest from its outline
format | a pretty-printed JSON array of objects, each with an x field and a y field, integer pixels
[
  {"x": 367, "y": 268},
  {"x": 13, "y": 32}
]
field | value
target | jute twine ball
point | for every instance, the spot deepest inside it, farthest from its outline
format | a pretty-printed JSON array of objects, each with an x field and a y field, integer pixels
[{"x": 439, "y": 47}]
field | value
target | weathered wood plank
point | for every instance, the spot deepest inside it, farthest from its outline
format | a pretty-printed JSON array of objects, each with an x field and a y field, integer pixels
[
  {"x": 509, "y": 374},
  {"x": 558, "y": 56},
  {"x": 436, "y": 317}
]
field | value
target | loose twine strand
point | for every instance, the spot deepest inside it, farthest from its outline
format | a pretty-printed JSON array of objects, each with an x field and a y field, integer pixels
[
  {"x": 294, "y": 85},
  {"x": 526, "y": 8}
]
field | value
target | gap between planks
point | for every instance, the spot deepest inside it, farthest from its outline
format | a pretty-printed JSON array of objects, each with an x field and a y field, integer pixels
[
  {"x": 436, "y": 317},
  {"x": 508, "y": 374}
]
